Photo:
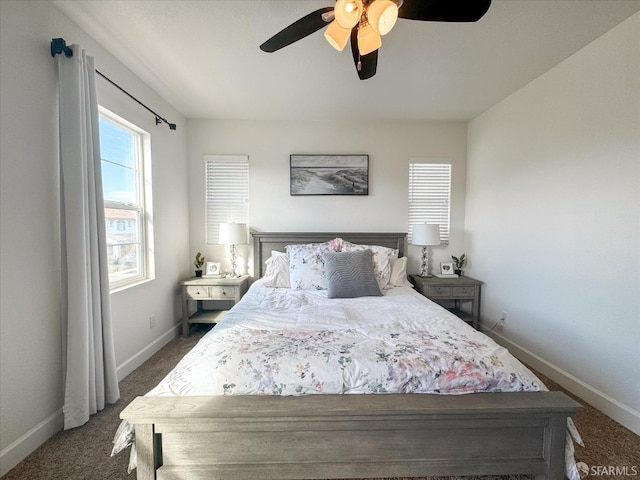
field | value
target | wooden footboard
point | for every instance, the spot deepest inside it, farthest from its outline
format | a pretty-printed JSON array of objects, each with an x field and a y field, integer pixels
[{"x": 350, "y": 436}]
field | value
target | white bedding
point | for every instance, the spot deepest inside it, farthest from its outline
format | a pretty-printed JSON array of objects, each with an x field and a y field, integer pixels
[{"x": 279, "y": 341}]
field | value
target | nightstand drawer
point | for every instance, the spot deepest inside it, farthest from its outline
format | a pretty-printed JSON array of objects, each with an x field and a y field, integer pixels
[
  {"x": 467, "y": 291},
  {"x": 221, "y": 293},
  {"x": 193, "y": 291},
  {"x": 438, "y": 291}
]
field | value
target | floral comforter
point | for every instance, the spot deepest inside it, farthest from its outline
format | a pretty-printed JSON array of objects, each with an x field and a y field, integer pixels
[{"x": 298, "y": 342}]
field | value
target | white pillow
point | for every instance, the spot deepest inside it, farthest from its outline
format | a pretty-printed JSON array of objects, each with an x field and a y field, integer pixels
[
  {"x": 277, "y": 272},
  {"x": 399, "y": 273},
  {"x": 306, "y": 264},
  {"x": 381, "y": 259}
]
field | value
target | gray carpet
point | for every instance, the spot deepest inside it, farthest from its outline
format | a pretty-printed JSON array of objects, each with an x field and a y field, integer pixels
[{"x": 84, "y": 452}]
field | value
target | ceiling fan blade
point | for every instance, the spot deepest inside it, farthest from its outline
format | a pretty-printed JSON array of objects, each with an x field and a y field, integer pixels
[
  {"x": 297, "y": 30},
  {"x": 366, "y": 65},
  {"x": 444, "y": 10}
]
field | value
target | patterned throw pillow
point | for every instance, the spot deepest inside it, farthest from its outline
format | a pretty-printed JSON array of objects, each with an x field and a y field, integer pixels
[
  {"x": 350, "y": 275},
  {"x": 381, "y": 259},
  {"x": 306, "y": 264}
]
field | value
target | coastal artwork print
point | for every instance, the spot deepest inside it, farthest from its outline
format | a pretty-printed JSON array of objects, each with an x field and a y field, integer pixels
[{"x": 329, "y": 174}]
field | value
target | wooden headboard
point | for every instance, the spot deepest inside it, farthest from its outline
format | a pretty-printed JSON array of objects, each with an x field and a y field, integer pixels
[{"x": 265, "y": 242}]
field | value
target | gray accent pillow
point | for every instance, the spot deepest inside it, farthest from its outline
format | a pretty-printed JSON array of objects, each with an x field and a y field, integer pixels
[{"x": 350, "y": 275}]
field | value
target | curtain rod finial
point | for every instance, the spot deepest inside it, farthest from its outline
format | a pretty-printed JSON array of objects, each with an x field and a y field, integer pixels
[
  {"x": 159, "y": 120},
  {"x": 58, "y": 45}
]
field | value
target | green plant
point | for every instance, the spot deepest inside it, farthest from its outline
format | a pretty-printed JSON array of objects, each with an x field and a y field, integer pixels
[
  {"x": 199, "y": 261},
  {"x": 459, "y": 261}
]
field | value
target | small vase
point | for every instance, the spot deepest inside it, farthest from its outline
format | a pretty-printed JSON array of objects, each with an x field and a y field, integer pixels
[
  {"x": 198, "y": 273},
  {"x": 458, "y": 272}
]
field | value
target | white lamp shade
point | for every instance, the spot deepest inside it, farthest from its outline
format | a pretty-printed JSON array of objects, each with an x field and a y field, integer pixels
[
  {"x": 337, "y": 36},
  {"x": 368, "y": 40},
  {"x": 382, "y": 15},
  {"x": 233, "y": 233},
  {"x": 348, "y": 12},
  {"x": 426, "y": 234}
]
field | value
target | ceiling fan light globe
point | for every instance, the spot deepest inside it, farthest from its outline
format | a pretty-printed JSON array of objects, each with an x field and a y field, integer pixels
[
  {"x": 337, "y": 36},
  {"x": 368, "y": 40},
  {"x": 382, "y": 15},
  {"x": 348, "y": 12}
]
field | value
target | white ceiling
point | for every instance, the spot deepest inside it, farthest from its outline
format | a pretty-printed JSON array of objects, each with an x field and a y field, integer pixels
[{"x": 202, "y": 56}]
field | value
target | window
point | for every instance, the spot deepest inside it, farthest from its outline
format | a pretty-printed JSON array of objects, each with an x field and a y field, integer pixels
[
  {"x": 126, "y": 183},
  {"x": 227, "y": 191},
  {"x": 430, "y": 194}
]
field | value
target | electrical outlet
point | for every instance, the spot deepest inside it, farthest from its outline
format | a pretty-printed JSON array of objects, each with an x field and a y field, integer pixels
[
  {"x": 501, "y": 321},
  {"x": 152, "y": 321}
]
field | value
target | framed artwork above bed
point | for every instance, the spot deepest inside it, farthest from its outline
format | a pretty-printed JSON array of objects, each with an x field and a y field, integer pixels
[{"x": 329, "y": 174}]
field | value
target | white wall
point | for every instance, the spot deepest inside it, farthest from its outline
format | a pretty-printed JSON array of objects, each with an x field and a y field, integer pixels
[
  {"x": 559, "y": 157},
  {"x": 269, "y": 144},
  {"x": 30, "y": 329},
  {"x": 553, "y": 220}
]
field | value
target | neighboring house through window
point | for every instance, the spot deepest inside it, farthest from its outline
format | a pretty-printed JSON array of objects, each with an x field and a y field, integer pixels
[
  {"x": 126, "y": 181},
  {"x": 430, "y": 194}
]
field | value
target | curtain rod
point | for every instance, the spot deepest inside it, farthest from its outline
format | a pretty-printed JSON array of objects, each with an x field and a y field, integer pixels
[{"x": 58, "y": 45}]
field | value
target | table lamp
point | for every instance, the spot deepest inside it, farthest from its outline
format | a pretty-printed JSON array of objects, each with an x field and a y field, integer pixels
[
  {"x": 233, "y": 234},
  {"x": 426, "y": 235}
]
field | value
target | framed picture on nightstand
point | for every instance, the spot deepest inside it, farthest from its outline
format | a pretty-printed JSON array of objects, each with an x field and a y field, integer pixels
[
  {"x": 213, "y": 268},
  {"x": 446, "y": 268}
]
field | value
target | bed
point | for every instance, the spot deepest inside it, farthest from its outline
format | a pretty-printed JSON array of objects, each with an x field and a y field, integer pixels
[{"x": 274, "y": 408}]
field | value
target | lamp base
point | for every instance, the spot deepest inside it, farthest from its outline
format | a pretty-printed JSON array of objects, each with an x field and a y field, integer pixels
[
  {"x": 234, "y": 274},
  {"x": 425, "y": 267}
]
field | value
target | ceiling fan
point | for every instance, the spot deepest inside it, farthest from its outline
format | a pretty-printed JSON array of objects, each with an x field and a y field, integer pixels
[{"x": 365, "y": 21}]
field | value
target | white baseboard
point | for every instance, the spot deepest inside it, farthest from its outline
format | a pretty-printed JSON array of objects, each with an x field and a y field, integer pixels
[
  {"x": 27, "y": 443},
  {"x": 31, "y": 440},
  {"x": 147, "y": 352},
  {"x": 621, "y": 413}
]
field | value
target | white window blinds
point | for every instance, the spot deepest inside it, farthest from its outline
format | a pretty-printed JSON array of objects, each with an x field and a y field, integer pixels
[
  {"x": 227, "y": 191},
  {"x": 429, "y": 195}
]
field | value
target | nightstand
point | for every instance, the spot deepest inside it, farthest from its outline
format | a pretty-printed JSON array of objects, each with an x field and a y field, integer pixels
[
  {"x": 450, "y": 293},
  {"x": 199, "y": 289}
]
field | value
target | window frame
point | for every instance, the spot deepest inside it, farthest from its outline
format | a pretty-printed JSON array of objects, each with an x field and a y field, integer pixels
[
  {"x": 420, "y": 211},
  {"x": 144, "y": 207}
]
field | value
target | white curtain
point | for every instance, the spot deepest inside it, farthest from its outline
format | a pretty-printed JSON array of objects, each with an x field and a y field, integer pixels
[{"x": 90, "y": 377}]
